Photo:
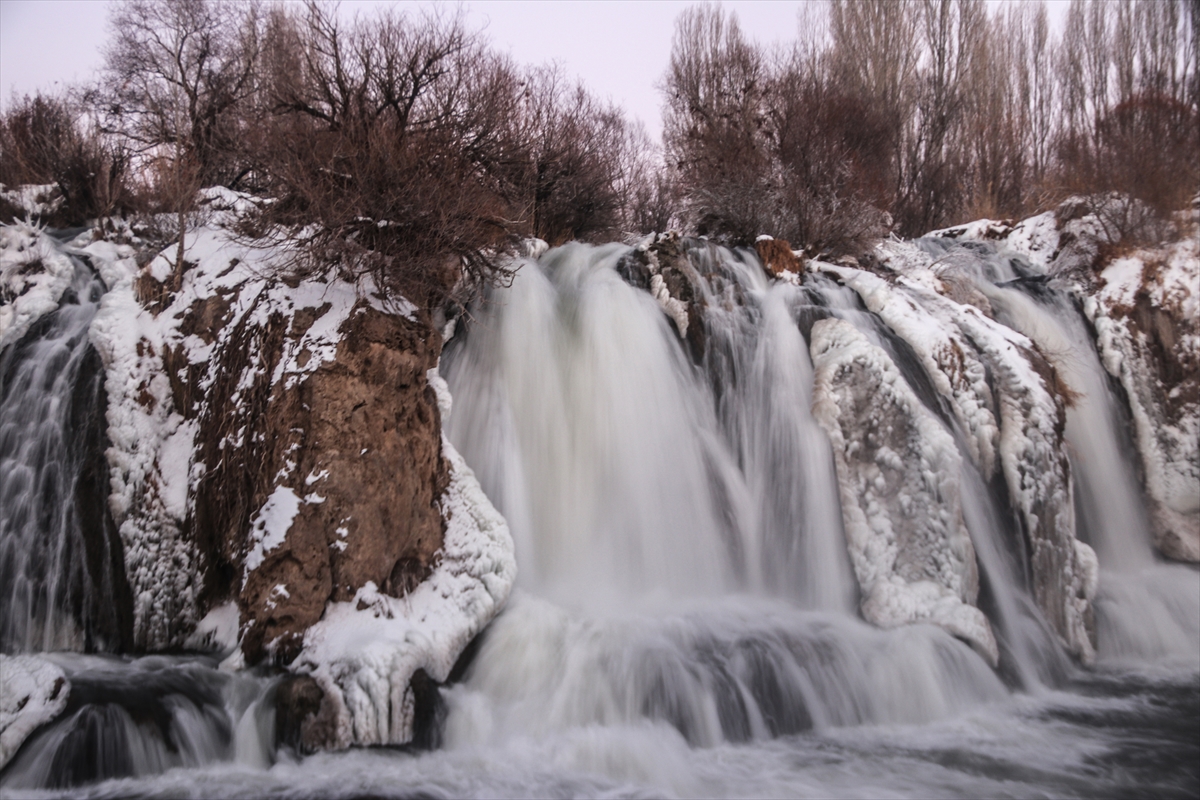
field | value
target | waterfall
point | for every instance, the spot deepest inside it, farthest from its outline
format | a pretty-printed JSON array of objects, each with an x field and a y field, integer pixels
[
  {"x": 578, "y": 408},
  {"x": 61, "y": 572},
  {"x": 140, "y": 717},
  {"x": 691, "y": 615},
  {"x": 593, "y": 409},
  {"x": 1145, "y": 609},
  {"x": 620, "y": 464}
]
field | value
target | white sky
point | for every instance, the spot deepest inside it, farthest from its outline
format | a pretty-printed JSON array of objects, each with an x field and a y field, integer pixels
[{"x": 619, "y": 48}]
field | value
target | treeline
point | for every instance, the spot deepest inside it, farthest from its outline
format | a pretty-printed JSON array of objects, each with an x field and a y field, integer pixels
[
  {"x": 404, "y": 146},
  {"x": 397, "y": 145},
  {"x": 916, "y": 115}
]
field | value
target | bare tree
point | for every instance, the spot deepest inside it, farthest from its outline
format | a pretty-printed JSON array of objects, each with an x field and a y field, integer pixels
[
  {"x": 577, "y": 160},
  {"x": 391, "y": 148},
  {"x": 48, "y": 140},
  {"x": 175, "y": 74},
  {"x": 715, "y": 125}
]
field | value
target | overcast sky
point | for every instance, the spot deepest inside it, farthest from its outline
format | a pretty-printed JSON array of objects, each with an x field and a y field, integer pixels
[{"x": 619, "y": 48}]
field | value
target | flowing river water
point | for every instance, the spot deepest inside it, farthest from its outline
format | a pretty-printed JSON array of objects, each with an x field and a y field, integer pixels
[{"x": 685, "y": 619}]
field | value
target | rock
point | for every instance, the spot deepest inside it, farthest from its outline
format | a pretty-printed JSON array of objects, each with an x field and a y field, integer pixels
[
  {"x": 898, "y": 475},
  {"x": 1011, "y": 401},
  {"x": 1147, "y": 319},
  {"x": 368, "y": 655},
  {"x": 661, "y": 266},
  {"x": 777, "y": 257},
  {"x": 275, "y": 443},
  {"x": 305, "y": 718},
  {"x": 33, "y": 691},
  {"x": 364, "y": 435}
]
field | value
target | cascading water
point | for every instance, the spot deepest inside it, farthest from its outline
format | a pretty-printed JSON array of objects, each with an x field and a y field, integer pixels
[
  {"x": 129, "y": 718},
  {"x": 686, "y": 621},
  {"x": 60, "y": 565},
  {"x": 1145, "y": 609},
  {"x": 62, "y": 580},
  {"x": 590, "y": 398}
]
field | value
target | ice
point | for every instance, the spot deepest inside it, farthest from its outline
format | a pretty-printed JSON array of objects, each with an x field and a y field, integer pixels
[
  {"x": 34, "y": 273},
  {"x": 901, "y": 511},
  {"x": 33, "y": 691}
]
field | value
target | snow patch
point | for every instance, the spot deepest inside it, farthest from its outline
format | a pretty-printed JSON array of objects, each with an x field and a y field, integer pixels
[
  {"x": 674, "y": 308},
  {"x": 34, "y": 273},
  {"x": 33, "y": 691},
  {"x": 269, "y": 526},
  {"x": 217, "y": 631}
]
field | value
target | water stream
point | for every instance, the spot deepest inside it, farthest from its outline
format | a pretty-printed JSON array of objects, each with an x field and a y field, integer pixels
[
  {"x": 686, "y": 621},
  {"x": 59, "y": 589}
]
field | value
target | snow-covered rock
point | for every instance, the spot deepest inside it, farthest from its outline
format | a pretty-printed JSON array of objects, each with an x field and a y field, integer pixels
[
  {"x": 29, "y": 201},
  {"x": 33, "y": 691},
  {"x": 898, "y": 473},
  {"x": 34, "y": 273},
  {"x": 273, "y": 442},
  {"x": 1146, "y": 314},
  {"x": 149, "y": 455},
  {"x": 364, "y": 653},
  {"x": 1001, "y": 390}
]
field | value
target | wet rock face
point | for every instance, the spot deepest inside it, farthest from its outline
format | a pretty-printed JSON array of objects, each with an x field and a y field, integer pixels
[
  {"x": 662, "y": 268},
  {"x": 315, "y": 487},
  {"x": 364, "y": 434}
]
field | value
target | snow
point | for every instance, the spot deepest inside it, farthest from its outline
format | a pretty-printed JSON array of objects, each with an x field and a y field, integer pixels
[
  {"x": 1122, "y": 279},
  {"x": 534, "y": 248},
  {"x": 35, "y": 199},
  {"x": 363, "y": 653},
  {"x": 978, "y": 230},
  {"x": 898, "y": 509},
  {"x": 1168, "y": 442},
  {"x": 673, "y": 308},
  {"x": 33, "y": 691},
  {"x": 270, "y": 524},
  {"x": 1035, "y": 238},
  {"x": 217, "y": 631},
  {"x": 949, "y": 360},
  {"x": 152, "y": 457},
  {"x": 149, "y": 457},
  {"x": 34, "y": 272}
]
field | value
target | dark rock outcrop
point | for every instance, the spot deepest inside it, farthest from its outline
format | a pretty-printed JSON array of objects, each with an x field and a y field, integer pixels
[{"x": 777, "y": 257}]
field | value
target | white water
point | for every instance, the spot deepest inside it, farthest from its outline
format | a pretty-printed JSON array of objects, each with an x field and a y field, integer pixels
[
  {"x": 1145, "y": 610},
  {"x": 48, "y": 597},
  {"x": 685, "y": 624}
]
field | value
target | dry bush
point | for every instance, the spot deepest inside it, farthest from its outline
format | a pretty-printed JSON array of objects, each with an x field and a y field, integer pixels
[
  {"x": 45, "y": 140},
  {"x": 390, "y": 152}
]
